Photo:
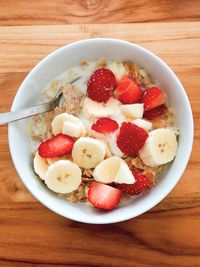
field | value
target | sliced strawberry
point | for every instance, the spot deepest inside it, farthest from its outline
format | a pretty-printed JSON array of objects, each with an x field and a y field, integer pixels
[
  {"x": 103, "y": 196},
  {"x": 155, "y": 112},
  {"x": 101, "y": 84},
  {"x": 138, "y": 187},
  {"x": 58, "y": 145},
  {"x": 131, "y": 138},
  {"x": 105, "y": 125},
  {"x": 153, "y": 97},
  {"x": 127, "y": 91}
]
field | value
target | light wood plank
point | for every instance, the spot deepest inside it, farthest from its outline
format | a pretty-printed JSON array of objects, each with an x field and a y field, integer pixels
[{"x": 22, "y": 12}]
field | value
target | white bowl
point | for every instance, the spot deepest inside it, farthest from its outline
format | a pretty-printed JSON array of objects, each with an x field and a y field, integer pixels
[{"x": 69, "y": 56}]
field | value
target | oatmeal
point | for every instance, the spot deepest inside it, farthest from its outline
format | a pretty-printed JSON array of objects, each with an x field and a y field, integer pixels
[{"x": 112, "y": 135}]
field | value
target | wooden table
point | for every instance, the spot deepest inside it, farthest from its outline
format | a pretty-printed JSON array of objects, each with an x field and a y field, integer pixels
[{"x": 31, "y": 235}]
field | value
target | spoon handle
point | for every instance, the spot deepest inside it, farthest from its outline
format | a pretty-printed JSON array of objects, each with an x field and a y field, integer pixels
[
  {"x": 24, "y": 113},
  {"x": 29, "y": 112}
]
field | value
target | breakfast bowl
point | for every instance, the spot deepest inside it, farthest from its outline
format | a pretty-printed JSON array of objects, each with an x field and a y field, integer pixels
[{"x": 56, "y": 63}]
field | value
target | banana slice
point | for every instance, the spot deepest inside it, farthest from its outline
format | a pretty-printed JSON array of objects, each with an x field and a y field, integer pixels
[
  {"x": 113, "y": 169},
  {"x": 124, "y": 175},
  {"x": 68, "y": 124},
  {"x": 118, "y": 69},
  {"x": 57, "y": 123},
  {"x": 63, "y": 176},
  {"x": 144, "y": 124},
  {"x": 87, "y": 152},
  {"x": 113, "y": 145},
  {"x": 40, "y": 165},
  {"x": 133, "y": 110},
  {"x": 160, "y": 147},
  {"x": 72, "y": 129},
  {"x": 92, "y": 109}
]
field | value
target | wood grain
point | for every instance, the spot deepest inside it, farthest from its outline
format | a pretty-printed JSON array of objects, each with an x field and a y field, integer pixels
[
  {"x": 23, "y": 12},
  {"x": 167, "y": 235}
]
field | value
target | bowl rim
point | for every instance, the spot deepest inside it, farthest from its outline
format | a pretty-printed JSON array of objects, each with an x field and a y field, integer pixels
[{"x": 186, "y": 156}]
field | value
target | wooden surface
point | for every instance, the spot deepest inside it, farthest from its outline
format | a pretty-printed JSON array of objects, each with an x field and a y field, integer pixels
[
  {"x": 39, "y": 12},
  {"x": 31, "y": 235}
]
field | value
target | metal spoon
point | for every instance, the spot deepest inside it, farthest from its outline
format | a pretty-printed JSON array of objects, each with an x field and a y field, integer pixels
[{"x": 29, "y": 112}]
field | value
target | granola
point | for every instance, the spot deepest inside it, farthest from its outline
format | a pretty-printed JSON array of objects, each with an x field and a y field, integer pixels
[{"x": 73, "y": 99}]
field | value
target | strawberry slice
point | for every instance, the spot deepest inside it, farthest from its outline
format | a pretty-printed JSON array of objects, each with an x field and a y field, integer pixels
[
  {"x": 101, "y": 84},
  {"x": 58, "y": 145},
  {"x": 103, "y": 196},
  {"x": 105, "y": 125},
  {"x": 138, "y": 187},
  {"x": 152, "y": 98},
  {"x": 131, "y": 138},
  {"x": 155, "y": 112},
  {"x": 127, "y": 91}
]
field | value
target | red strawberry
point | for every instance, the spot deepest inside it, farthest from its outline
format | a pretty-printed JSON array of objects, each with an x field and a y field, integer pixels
[
  {"x": 100, "y": 85},
  {"x": 127, "y": 91},
  {"x": 138, "y": 187},
  {"x": 153, "y": 97},
  {"x": 58, "y": 145},
  {"x": 103, "y": 196},
  {"x": 105, "y": 125},
  {"x": 131, "y": 138},
  {"x": 155, "y": 112}
]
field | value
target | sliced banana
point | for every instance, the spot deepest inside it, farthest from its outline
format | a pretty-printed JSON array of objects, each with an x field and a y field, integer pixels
[
  {"x": 87, "y": 152},
  {"x": 72, "y": 129},
  {"x": 40, "y": 165},
  {"x": 57, "y": 123},
  {"x": 133, "y": 110},
  {"x": 124, "y": 175},
  {"x": 112, "y": 138},
  {"x": 92, "y": 109},
  {"x": 144, "y": 124},
  {"x": 118, "y": 69},
  {"x": 68, "y": 124},
  {"x": 63, "y": 176},
  {"x": 160, "y": 147},
  {"x": 113, "y": 169}
]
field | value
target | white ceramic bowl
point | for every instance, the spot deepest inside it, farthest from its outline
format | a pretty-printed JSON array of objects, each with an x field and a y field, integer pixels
[{"x": 69, "y": 56}]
